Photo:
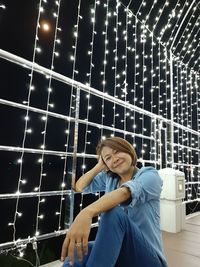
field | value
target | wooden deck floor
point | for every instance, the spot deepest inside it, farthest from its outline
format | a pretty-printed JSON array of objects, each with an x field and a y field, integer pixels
[{"x": 181, "y": 249}]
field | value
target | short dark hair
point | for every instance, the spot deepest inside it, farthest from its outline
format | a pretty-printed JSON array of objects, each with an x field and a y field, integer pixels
[{"x": 118, "y": 144}]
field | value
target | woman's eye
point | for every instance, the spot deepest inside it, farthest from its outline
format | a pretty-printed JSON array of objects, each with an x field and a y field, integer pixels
[{"x": 107, "y": 159}]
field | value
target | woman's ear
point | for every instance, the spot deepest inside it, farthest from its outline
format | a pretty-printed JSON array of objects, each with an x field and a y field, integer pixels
[
  {"x": 107, "y": 169},
  {"x": 102, "y": 163}
]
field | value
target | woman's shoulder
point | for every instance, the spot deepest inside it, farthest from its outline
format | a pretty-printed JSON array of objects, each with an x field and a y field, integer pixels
[
  {"x": 149, "y": 176},
  {"x": 146, "y": 169},
  {"x": 148, "y": 172}
]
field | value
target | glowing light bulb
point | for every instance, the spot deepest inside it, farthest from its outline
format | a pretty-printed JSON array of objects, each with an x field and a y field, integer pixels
[
  {"x": 63, "y": 185},
  {"x": 40, "y": 160},
  {"x": 3, "y": 6},
  {"x": 29, "y": 130}
]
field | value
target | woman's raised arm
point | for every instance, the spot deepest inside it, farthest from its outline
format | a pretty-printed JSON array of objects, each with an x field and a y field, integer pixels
[{"x": 87, "y": 177}]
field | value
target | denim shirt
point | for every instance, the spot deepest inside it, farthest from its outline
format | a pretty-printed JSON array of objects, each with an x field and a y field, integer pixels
[{"x": 144, "y": 206}]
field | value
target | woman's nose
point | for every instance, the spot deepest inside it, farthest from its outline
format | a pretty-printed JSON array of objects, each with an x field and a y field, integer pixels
[{"x": 114, "y": 159}]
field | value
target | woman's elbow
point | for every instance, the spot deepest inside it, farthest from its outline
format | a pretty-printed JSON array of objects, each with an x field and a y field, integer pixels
[{"x": 77, "y": 188}]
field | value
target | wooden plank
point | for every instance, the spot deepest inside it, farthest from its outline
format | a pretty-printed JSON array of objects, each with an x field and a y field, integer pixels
[
  {"x": 178, "y": 259},
  {"x": 183, "y": 249}
]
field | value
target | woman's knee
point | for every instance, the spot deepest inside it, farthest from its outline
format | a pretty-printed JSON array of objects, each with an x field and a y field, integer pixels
[
  {"x": 119, "y": 218},
  {"x": 115, "y": 214}
]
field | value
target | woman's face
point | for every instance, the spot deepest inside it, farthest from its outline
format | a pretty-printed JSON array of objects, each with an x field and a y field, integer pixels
[{"x": 117, "y": 161}]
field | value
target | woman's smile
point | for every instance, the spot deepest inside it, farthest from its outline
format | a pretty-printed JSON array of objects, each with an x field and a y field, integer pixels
[{"x": 118, "y": 163}]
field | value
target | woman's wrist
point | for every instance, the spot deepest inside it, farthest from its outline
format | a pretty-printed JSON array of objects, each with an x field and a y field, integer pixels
[
  {"x": 87, "y": 212},
  {"x": 98, "y": 168}
]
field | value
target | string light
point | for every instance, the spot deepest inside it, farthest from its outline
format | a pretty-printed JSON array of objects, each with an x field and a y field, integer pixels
[
  {"x": 182, "y": 40},
  {"x": 2, "y": 6},
  {"x": 74, "y": 71},
  {"x": 105, "y": 33},
  {"x": 90, "y": 53},
  {"x": 115, "y": 54},
  {"x": 46, "y": 27}
]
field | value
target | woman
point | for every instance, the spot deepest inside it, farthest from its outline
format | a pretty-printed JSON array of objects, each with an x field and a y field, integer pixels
[{"x": 129, "y": 229}]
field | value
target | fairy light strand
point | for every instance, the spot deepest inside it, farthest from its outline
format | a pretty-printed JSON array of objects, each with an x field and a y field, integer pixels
[
  {"x": 167, "y": 71},
  {"x": 104, "y": 66},
  {"x": 148, "y": 15},
  {"x": 187, "y": 140},
  {"x": 184, "y": 33},
  {"x": 93, "y": 17},
  {"x": 2, "y": 6},
  {"x": 49, "y": 90},
  {"x": 143, "y": 41},
  {"x": 140, "y": 7},
  {"x": 116, "y": 62},
  {"x": 197, "y": 60},
  {"x": 135, "y": 77},
  {"x": 153, "y": 131},
  {"x": 198, "y": 129},
  {"x": 177, "y": 23},
  {"x": 161, "y": 10},
  {"x": 194, "y": 49},
  {"x": 72, "y": 173},
  {"x": 125, "y": 68},
  {"x": 168, "y": 24},
  {"x": 26, "y": 124},
  {"x": 188, "y": 50}
]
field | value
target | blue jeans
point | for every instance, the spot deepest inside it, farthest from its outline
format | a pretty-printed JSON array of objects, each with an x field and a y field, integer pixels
[{"x": 119, "y": 243}]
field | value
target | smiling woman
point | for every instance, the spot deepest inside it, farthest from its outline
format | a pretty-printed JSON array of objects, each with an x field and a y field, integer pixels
[
  {"x": 119, "y": 156},
  {"x": 129, "y": 230}
]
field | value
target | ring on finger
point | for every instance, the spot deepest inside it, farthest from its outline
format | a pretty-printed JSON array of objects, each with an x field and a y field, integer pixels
[{"x": 78, "y": 244}]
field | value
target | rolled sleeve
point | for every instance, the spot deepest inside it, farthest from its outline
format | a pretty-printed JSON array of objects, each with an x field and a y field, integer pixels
[
  {"x": 145, "y": 187},
  {"x": 135, "y": 188},
  {"x": 98, "y": 184}
]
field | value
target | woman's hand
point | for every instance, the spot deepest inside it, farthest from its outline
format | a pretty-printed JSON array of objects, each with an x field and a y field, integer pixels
[
  {"x": 101, "y": 165},
  {"x": 77, "y": 237},
  {"x": 87, "y": 177}
]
